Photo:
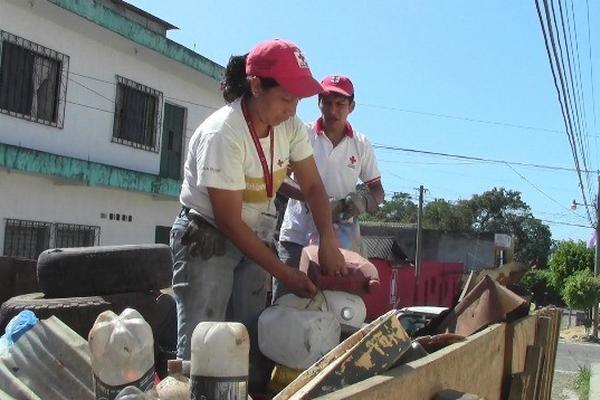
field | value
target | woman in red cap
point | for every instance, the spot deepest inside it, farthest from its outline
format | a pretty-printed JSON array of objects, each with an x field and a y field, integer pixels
[{"x": 237, "y": 159}]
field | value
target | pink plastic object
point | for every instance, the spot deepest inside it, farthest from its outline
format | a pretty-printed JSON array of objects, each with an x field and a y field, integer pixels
[{"x": 362, "y": 275}]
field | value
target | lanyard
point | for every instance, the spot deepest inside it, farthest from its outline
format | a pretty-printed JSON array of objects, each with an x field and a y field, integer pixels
[{"x": 267, "y": 174}]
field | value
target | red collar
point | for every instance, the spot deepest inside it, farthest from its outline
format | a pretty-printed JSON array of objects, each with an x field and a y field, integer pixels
[{"x": 321, "y": 129}]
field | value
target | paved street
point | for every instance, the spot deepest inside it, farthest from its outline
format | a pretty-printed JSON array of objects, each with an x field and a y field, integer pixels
[{"x": 570, "y": 356}]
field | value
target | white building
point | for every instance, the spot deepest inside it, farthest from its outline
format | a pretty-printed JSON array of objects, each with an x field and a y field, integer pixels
[{"x": 96, "y": 108}]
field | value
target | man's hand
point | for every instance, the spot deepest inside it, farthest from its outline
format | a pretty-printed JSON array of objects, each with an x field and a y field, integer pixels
[
  {"x": 355, "y": 204},
  {"x": 298, "y": 283},
  {"x": 203, "y": 239},
  {"x": 331, "y": 260}
]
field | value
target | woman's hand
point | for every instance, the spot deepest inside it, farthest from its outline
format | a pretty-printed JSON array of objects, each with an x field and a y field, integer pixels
[
  {"x": 298, "y": 282},
  {"x": 331, "y": 260}
]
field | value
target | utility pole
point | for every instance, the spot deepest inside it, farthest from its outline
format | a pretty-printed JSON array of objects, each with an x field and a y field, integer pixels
[
  {"x": 418, "y": 244},
  {"x": 596, "y": 259}
]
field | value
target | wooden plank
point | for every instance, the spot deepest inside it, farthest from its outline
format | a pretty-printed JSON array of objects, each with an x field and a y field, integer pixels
[
  {"x": 516, "y": 387},
  {"x": 472, "y": 366},
  {"x": 551, "y": 323},
  {"x": 523, "y": 335},
  {"x": 519, "y": 335},
  {"x": 374, "y": 354},
  {"x": 533, "y": 367},
  {"x": 450, "y": 394},
  {"x": 469, "y": 284},
  {"x": 334, "y": 354},
  {"x": 543, "y": 341}
]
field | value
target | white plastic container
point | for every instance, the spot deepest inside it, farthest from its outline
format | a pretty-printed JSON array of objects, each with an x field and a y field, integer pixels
[
  {"x": 297, "y": 338},
  {"x": 122, "y": 353},
  {"x": 220, "y": 361},
  {"x": 349, "y": 309}
]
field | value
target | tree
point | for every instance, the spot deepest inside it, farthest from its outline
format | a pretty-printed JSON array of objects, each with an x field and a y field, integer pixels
[
  {"x": 446, "y": 216},
  {"x": 497, "y": 210},
  {"x": 582, "y": 290},
  {"x": 400, "y": 208},
  {"x": 570, "y": 256}
]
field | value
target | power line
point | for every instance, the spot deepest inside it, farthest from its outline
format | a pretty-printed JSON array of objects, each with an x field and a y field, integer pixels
[
  {"x": 561, "y": 89},
  {"x": 540, "y": 190},
  {"x": 587, "y": 5},
  {"x": 431, "y": 114},
  {"x": 466, "y": 119},
  {"x": 564, "y": 223},
  {"x": 477, "y": 159}
]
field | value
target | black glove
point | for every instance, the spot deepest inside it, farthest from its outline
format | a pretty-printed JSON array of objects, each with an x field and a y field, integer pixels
[{"x": 203, "y": 239}]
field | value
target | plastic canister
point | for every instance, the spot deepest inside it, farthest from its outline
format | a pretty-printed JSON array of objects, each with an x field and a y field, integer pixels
[
  {"x": 122, "y": 353},
  {"x": 220, "y": 361}
]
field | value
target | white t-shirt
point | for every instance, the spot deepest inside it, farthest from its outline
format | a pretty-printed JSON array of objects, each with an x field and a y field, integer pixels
[
  {"x": 222, "y": 155},
  {"x": 340, "y": 167}
]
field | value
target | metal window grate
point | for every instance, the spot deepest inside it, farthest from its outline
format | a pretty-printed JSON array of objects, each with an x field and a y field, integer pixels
[
  {"x": 33, "y": 80},
  {"x": 137, "y": 115},
  {"x": 28, "y": 239},
  {"x": 71, "y": 235}
]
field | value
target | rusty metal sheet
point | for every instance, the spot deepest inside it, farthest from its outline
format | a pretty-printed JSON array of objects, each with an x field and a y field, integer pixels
[{"x": 487, "y": 303}]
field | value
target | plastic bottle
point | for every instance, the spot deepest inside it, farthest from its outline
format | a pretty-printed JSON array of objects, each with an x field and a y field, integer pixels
[
  {"x": 122, "y": 353},
  {"x": 176, "y": 386},
  {"x": 219, "y": 368}
]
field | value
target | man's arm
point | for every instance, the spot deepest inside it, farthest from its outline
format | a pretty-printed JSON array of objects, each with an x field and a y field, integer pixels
[
  {"x": 378, "y": 194},
  {"x": 308, "y": 178}
]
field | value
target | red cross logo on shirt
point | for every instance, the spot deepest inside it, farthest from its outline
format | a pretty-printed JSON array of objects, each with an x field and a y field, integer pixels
[
  {"x": 353, "y": 160},
  {"x": 280, "y": 163}
]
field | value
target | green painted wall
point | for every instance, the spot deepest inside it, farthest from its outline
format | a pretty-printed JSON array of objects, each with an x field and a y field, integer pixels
[
  {"x": 137, "y": 33},
  {"x": 85, "y": 172}
]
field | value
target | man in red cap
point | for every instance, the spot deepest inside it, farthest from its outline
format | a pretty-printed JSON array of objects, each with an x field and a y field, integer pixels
[{"x": 343, "y": 157}]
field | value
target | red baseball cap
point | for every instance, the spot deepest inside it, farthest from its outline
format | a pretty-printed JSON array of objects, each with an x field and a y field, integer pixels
[
  {"x": 338, "y": 84},
  {"x": 283, "y": 61}
]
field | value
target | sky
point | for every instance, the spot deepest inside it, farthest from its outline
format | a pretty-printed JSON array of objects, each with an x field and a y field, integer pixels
[{"x": 469, "y": 78}]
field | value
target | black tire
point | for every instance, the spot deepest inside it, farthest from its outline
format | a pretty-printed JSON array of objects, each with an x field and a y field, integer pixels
[
  {"x": 79, "y": 313},
  {"x": 100, "y": 270}
]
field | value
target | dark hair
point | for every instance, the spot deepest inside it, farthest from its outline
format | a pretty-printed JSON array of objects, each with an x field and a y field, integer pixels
[{"x": 235, "y": 82}]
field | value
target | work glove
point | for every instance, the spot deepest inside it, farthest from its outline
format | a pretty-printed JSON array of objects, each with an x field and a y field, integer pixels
[
  {"x": 203, "y": 239},
  {"x": 355, "y": 204},
  {"x": 336, "y": 206}
]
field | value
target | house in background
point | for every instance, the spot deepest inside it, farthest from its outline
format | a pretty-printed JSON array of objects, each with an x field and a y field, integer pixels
[{"x": 96, "y": 108}]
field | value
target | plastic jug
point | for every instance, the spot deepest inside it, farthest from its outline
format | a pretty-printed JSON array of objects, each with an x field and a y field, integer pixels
[
  {"x": 176, "y": 386},
  {"x": 122, "y": 353},
  {"x": 220, "y": 362}
]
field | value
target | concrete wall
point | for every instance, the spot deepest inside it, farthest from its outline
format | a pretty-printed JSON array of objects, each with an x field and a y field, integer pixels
[
  {"x": 97, "y": 55},
  {"x": 475, "y": 252},
  {"x": 36, "y": 198}
]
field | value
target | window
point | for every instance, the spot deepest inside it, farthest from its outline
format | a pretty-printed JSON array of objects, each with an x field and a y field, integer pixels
[
  {"x": 70, "y": 235},
  {"x": 33, "y": 80},
  {"x": 137, "y": 115},
  {"x": 28, "y": 239}
]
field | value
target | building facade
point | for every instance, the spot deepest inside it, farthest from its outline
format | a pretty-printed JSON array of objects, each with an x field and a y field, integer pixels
[{"x": 96, "y": 108}]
